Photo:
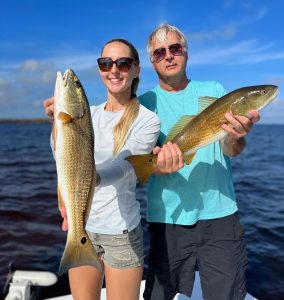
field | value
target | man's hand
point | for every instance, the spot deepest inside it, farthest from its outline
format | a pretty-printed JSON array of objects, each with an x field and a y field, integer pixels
[
  {"x": 169, "y": 159},
  {"x": 237, "y": 128},
  {"x": 48, "y": 105}
]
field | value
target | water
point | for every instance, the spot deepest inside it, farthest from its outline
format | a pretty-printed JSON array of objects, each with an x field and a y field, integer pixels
[{"x": 30, "y": 232}]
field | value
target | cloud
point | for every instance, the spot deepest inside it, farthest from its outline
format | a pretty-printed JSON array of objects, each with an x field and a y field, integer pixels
[
  {"x": 229, "y": 30},
  {"x": 34, "y": 72},
  {"x": 204, "y": 36},
  {"x": 6, "y": 90},
  {"x": 244, "y": 52},
  {"x": 23, "y": 85},
  {"x": 75, "y": 60}
]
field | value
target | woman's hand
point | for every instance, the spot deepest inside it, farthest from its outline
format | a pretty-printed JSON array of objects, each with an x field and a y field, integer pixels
[
  {"x": 48, "y": 106},
  {"x": 64, "y": 216}
]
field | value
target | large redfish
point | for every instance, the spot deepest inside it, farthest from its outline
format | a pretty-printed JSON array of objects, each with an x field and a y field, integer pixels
[
  {"x": 75, "y": 164},
  {"x": 193, "y": 132}
]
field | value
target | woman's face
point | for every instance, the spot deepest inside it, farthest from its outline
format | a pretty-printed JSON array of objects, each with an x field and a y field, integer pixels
[{"x": 116, "y": 81}]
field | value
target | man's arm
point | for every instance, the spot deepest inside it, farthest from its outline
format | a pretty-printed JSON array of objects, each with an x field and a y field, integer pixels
[
  {"x": 237, "y": 128},
  {"x": 170, "y": 158}
]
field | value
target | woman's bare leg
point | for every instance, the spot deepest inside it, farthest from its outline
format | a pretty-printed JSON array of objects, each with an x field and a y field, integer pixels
[
  {"x": 85, "y": 283},
  {"x": 123, "y": 284}
]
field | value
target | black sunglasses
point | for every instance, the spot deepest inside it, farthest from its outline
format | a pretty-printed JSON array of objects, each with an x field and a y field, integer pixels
[
  {"x": 160, "y": 53},
  {"x": 123, "y": 64}
]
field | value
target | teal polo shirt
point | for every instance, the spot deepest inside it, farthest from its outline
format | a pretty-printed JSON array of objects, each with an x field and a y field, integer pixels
[{"x": 202, "y": 190}]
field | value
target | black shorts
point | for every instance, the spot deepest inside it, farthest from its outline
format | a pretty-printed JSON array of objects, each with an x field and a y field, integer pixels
[{"x": 214, "y": 247}]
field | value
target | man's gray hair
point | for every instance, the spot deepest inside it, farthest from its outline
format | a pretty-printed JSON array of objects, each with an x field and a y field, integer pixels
[{"x": 160, "y": 34}]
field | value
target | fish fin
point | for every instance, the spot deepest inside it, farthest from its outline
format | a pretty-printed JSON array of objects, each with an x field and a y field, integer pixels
[
  {"x": 188, "y": 158},
  {"x": 64, "y": 117},
  {"x": 143, "y": 165},
  {"x": 180, "y": 124},
  {"x": 204, "y": 102},
  {"x": 61, "y": 203},
  {"x": 79, "y": 253}
]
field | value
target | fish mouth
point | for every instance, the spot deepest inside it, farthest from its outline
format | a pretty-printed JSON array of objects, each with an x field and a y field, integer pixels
[
  {"x": 274, "y": 90},
  {"x": 67, "y": 76},
  {"x": 274, "y": 94},
  {"x": 67, "y": 101}
]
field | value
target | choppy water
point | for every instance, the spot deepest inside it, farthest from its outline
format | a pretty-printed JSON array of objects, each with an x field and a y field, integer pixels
[{"x": 30, "y": 232}]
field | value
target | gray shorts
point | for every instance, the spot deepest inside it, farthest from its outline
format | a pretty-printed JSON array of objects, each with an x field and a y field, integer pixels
[{"x": 120, "y": 251}]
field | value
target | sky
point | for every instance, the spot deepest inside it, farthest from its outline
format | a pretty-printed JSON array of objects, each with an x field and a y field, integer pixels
[{"x": 236, "y": 42}]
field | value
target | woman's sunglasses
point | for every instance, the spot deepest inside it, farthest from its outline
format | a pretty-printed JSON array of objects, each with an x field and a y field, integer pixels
[
  {"x": 160, "y": 53},
  {"x": 123, "y": 64}
]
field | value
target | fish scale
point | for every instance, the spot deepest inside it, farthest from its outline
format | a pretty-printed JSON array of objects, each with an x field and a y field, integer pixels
[
  {"x": 193, "y": 132},
  {"x": 75, "y": 164},
  {"x": 208, "y": 125}
]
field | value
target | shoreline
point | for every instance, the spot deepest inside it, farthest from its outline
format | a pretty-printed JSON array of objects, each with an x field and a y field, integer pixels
[
  {"x": 24, "y": 121},
  {"x": 47, "y": 120}
]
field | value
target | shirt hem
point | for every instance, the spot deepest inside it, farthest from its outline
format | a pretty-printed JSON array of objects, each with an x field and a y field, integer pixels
[
  {"x": 111, "y": 232},
  {"x": 199, "y": 218}
]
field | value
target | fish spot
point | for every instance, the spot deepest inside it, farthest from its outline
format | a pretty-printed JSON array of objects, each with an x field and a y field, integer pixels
[{"x": 83, "y": 240}]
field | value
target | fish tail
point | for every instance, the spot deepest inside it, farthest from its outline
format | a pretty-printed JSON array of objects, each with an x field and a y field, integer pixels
[
  {"x": 144, "y": 165},
  {"x": 79, "y": 253}
]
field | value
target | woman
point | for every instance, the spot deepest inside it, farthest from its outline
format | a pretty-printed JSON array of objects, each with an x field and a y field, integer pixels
[{"x": 122, "y": 127}]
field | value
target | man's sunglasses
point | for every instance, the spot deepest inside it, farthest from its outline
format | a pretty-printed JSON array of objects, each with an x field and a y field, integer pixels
[
  {"x": 123, "y": 64},
  {"x": 160, "y": 53}
]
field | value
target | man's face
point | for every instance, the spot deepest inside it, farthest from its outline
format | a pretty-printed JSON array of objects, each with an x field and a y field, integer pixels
[{"x": 171, "y": 65}]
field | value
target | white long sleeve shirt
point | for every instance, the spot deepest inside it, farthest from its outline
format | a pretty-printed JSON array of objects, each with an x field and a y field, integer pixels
[{"x": 115, "y": 208}]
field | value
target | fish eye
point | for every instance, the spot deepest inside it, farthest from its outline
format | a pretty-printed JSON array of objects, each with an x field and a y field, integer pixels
[
  {"x": 263, "y": 92},
  {"x": 78, "y": 83}
]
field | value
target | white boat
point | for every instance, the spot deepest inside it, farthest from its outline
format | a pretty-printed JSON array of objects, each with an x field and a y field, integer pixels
[{"x": 22, "y": 281}]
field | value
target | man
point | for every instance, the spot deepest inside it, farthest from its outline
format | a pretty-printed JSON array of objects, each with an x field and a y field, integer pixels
[{"x": 192, "y": 213}]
